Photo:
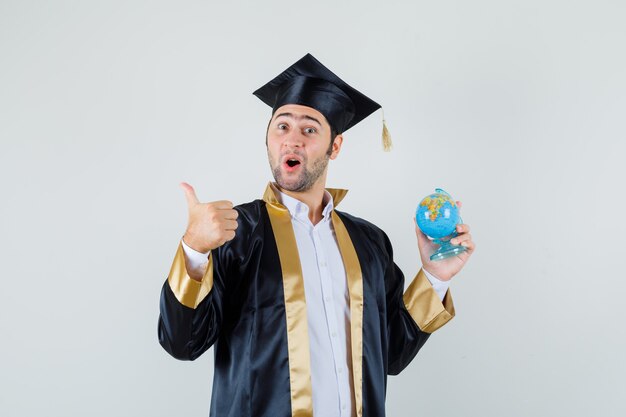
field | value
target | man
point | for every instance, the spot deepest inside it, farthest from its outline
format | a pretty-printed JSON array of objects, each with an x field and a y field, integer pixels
[{"x": 304, "y": 303}]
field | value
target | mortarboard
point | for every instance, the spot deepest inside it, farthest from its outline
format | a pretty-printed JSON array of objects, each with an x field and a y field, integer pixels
[{"x": 309, "y": 83}]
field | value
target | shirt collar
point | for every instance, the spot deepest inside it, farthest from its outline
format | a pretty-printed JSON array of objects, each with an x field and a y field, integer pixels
[
  {"x": 299, "y": 210},
  {"x": 269, "y": 196}
]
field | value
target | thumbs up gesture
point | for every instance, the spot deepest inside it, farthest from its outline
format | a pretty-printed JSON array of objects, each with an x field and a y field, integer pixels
[{"x": 210, "y": 225}]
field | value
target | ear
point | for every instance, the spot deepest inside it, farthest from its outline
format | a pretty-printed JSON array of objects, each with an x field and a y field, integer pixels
[{"x": 336, "y": 146}]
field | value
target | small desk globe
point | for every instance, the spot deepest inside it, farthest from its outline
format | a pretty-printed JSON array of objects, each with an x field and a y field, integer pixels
[{"x": 437, "y": 216}]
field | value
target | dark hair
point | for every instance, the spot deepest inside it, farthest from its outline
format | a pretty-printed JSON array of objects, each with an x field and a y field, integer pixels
[{"x": 333, "y": 135}]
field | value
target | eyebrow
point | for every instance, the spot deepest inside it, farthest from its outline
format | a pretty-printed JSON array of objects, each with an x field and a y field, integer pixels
[{"x": 304, "y": 116}]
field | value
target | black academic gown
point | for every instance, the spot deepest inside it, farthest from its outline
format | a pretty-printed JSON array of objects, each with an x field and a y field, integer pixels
[{"x": 251, "y": 306}]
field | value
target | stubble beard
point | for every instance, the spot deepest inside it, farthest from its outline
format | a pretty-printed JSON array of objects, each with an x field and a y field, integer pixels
[{"x": 306, "y": 179}]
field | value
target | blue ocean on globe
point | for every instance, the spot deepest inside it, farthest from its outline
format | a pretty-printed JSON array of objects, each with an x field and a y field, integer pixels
[{"x": 437, "y": 216}]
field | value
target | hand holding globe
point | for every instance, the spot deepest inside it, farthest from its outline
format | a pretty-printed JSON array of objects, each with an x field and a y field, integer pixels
[
  {"x": 437, "y": 216},
  {"x": 444, "y": 241}
]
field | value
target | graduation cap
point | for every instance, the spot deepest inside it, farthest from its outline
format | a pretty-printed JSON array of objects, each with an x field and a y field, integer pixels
[{"x": 309, "y": 83}]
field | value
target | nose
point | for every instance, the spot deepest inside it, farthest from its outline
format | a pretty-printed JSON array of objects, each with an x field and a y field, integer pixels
[{"x": 293, "y": 139}]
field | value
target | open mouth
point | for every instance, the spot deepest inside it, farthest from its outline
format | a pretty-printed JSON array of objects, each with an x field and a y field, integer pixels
[{"x": 292, "y": 162}]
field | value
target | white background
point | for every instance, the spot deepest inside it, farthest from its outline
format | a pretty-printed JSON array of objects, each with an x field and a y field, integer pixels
[{"x": 514, "y": 107}]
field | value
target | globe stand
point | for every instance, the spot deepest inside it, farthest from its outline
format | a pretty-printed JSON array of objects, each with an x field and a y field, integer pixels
[{"x": 446, "y": 249}]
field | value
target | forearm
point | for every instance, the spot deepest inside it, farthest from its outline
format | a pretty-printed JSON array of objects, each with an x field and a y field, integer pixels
[
  {"x": 424, "y": 303},
  {"x": 413, "y": 316},
  {"x": 189, "y": 310}
]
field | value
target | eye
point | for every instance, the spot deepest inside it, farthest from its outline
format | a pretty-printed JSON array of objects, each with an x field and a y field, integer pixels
[
  {"x": 310, "y": 130},
  {"x": 282, "y": 126}
]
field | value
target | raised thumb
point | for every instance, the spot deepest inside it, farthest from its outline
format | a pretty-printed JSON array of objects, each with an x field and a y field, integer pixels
[{"x": 190, "y": 194}]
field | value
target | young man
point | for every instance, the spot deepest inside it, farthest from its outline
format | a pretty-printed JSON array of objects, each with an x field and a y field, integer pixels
[{"x": 304, "y": 303}]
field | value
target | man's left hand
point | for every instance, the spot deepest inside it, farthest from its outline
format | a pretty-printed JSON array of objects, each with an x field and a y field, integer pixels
[{"x": 445, "y": 269}]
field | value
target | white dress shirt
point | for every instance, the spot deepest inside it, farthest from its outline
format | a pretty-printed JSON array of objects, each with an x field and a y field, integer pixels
[{"x": 328, "y": 306}]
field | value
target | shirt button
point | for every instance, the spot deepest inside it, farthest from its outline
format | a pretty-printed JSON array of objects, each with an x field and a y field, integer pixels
[
  {"x": 339, "y": 370},
  {"x": 333, "y": 334},
  {"x": 343, "y": 406},
  {"x": 327, "y": 299}
]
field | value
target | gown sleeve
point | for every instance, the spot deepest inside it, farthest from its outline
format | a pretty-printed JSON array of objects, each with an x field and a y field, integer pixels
[
  {"x": 190, "y": 310},
  {"x": 412, "y": 315}
]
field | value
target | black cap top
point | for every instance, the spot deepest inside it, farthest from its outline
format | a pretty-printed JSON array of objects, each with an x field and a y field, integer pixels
[{"x": 311, "y": 84}]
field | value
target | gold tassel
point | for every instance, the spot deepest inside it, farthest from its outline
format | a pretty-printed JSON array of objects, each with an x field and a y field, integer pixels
[{"x": 386, "y": 136}]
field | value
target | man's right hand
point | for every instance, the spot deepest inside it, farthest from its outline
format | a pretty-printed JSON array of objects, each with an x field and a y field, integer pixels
[{"x": 210, "y": 224}]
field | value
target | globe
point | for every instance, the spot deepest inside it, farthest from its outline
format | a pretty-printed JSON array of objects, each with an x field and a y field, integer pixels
[{"x": 437, "y": 216}]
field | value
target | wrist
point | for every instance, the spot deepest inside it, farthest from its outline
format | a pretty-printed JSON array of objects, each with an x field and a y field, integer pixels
[
  {"x": 439, "y": 275},
  {"x": 195, "y": 244}
]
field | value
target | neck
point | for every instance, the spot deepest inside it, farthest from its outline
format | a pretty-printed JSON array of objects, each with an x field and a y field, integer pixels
[{"x": 313, "y": 198}]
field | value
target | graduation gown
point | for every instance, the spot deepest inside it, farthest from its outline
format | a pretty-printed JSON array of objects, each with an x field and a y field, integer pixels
[{"x": 251, "y": 305}]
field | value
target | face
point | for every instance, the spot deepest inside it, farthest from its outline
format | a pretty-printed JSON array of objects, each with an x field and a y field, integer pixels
[{"x": 298, "y": 147}]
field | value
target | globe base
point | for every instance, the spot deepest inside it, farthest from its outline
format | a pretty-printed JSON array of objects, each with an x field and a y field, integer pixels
[{"x": 447, "y": 250}]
